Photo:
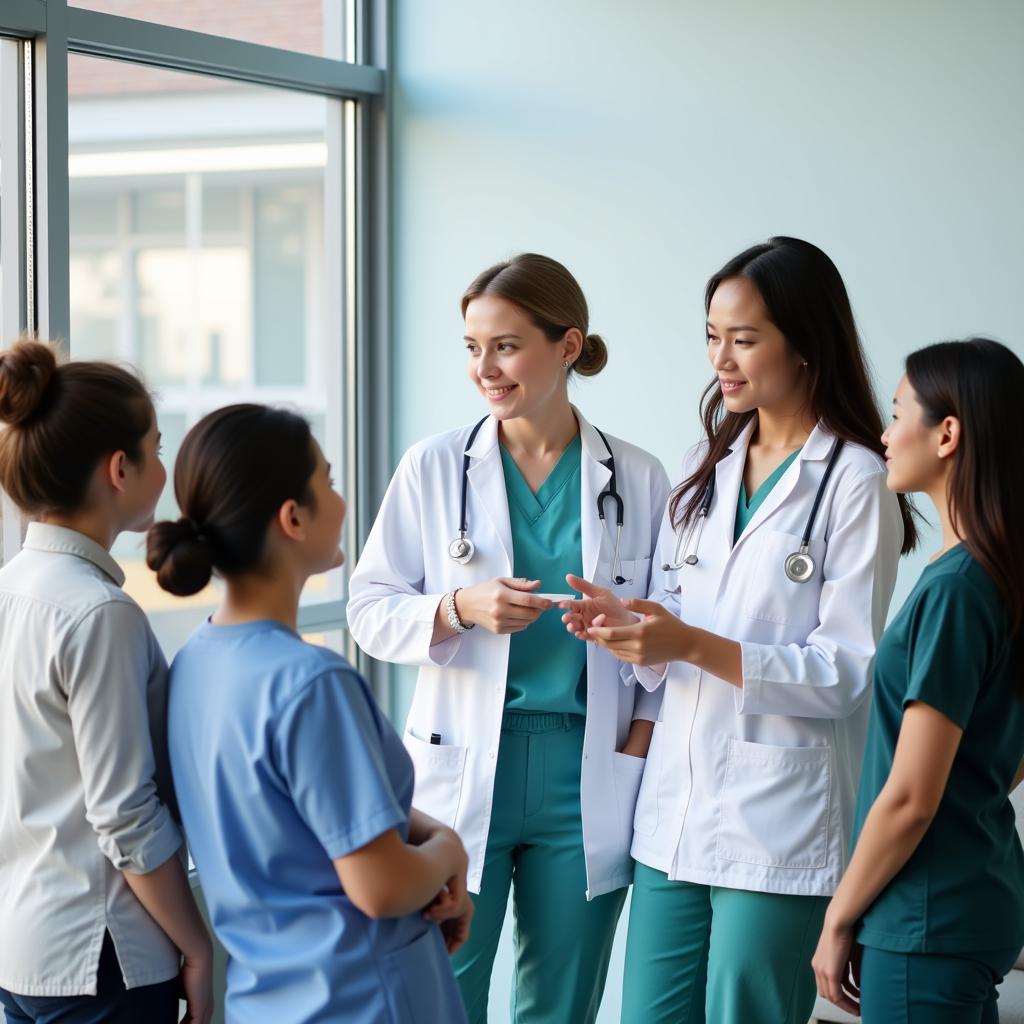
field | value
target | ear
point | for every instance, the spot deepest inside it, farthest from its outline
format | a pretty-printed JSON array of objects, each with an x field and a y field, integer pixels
[
  {"x": 291, "y": 519},
  {"x": 571, "y": 344},
  {"x": 115, "y": 470},
  {"x": 949, "y": 437}
]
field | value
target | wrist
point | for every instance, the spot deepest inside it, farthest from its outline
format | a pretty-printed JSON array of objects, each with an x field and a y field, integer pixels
[
  {"x": 837, "y": 920},
  {"x": 462, "y": 606}
]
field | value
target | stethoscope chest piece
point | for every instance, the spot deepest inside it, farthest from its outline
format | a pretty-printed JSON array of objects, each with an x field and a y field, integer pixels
[
  {"x": 461, "y": 550},
  {"x": 799, "y": 565}
]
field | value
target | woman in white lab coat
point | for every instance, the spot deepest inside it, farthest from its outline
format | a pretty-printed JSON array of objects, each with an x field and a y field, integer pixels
[
  {"x": 745, "y": 812},
  {"x": 523, "y": 740}
]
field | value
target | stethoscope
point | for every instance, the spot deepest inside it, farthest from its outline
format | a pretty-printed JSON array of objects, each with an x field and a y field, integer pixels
[
  {"x": 462, "y": 549},
  {"x": 799, "y": 566}
]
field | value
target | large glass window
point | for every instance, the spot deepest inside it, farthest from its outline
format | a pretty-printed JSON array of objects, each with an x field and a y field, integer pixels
[
  {"x": 197, "y": 255},
  {"x": 309, "y": 26}
]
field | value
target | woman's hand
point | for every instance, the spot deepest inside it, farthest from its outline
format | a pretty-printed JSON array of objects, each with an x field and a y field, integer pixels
[
  {"x": 504, "y": 605},
  {"x": 597, "y": 604},
  {"x": 654, "y": 639},
  {"x": 196, "y": 980},
  {"x": 836, "y": 966},
  {"x": 453, "y": 909}
]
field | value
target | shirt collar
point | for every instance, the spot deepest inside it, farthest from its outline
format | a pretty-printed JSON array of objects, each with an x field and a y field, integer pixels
[{"x": 59, "y": 539}]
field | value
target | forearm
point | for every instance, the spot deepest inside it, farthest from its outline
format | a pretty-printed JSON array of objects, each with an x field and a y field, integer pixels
[
  {"x": 424, "y": 870},
  {"x": 422, "y": 826},
  {"x": 892, "y": 831},
  {"x": 712, "y": 653},
  {"x": 167, "y": 897}
]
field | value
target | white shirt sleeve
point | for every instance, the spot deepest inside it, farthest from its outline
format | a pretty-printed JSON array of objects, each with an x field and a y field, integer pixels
[
  {"x": 108, "y": 665},
  {"x": 390, "y": 616}
]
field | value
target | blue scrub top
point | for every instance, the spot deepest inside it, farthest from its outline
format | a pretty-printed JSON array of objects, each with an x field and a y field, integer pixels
[{"x": 282, "y": 761}]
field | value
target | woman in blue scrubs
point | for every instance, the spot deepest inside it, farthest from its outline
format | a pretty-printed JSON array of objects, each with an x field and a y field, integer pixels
[
  {"x": 930, "y": 913},
  {"x": 295, "y": 791}
]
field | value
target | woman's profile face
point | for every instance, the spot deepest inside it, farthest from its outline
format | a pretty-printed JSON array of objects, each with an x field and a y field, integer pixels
[
  {"x": 911, "y": 446},
  {"x": 756, "y": 367}
]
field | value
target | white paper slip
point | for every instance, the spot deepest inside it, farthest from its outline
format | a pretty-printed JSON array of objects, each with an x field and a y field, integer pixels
[{"x": 558, "y": 597}]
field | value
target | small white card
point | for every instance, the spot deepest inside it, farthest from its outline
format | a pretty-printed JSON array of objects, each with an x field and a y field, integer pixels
[{"x": 559, "y": 597}]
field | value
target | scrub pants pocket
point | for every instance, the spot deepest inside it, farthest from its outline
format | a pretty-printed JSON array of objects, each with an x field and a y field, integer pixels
[{"x": 420, "y": 984}]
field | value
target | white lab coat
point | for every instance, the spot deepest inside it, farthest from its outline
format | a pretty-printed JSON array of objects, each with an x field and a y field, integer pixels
[
  {"x": 404, "y": 572},
  {"x": 754, "y": 787}
]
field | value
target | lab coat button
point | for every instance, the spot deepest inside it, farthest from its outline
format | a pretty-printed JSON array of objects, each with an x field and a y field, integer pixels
[{"x": 490, "y": 754}]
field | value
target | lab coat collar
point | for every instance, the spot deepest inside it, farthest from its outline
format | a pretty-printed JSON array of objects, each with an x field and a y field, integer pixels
[
  {"x": 486, "y": 441},
  {"x": 59, "y": 539}
]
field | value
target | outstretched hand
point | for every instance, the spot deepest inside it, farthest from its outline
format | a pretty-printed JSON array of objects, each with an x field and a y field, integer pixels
[{"x": 597, "y": 607}]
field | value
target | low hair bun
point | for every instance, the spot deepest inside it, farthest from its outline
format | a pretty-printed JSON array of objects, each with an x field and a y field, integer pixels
[
  {"x": 26, "y": 370},
  {"x": 593, "y": 358},
  {"x": 181, "y": 555}
]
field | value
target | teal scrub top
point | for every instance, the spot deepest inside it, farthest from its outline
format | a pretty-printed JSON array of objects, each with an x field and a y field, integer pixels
[
  {"x": 962, "y": 890},
  {"x": 746, "y": 507},
  {"x": 546, "y": 665}
]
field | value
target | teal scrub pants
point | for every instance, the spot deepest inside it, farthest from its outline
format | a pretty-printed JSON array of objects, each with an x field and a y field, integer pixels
[
  {"x": 931, "y": 988},
  {"x": 698, "y": 954},
  {"x": 562, "y": 942}
]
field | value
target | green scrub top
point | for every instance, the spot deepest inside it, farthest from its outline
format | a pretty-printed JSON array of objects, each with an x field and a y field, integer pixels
[
  {"x": 747, "y": 507},
  {"x": 962, "y": 890},
  {"x": 546, "y": 665}
]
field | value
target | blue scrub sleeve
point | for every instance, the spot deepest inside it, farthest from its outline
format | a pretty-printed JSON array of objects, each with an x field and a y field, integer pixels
[
  {"x": 328, "y": 750},
  {"x": 951, "y": 647}
]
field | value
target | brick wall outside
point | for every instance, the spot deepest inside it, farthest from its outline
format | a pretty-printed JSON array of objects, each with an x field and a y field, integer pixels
[{"x": 288, "y": 24}]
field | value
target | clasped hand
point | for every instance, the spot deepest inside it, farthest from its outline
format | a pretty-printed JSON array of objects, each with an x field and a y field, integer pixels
[{"x": 635, "y": 631}]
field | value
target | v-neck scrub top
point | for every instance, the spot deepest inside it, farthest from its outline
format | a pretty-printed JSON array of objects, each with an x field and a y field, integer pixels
[
  {"x": 546, "y": 665},
  {"x": 746, "y": 508},
  {"x": 962, "y": 890}
]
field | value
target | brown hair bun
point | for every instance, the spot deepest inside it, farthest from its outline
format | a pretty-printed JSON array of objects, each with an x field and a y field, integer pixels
[
  {"x": 26, "y": 370},
  {"x": 180, "y": 555},
  {"x": 593, "y": 357}
]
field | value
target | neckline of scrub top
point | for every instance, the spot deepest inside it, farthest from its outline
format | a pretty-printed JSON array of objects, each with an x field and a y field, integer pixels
[
  {"x": 746, "y": 508},
  {"x": 533, "y": 505}
]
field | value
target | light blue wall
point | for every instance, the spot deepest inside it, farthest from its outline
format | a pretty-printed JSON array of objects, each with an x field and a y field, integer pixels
[{"x": 644, "y": 143}]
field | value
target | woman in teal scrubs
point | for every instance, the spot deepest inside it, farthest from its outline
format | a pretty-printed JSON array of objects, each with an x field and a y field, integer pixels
[
  {"x": 526, "y": 742},
  {"x": 930, "y": 914}
]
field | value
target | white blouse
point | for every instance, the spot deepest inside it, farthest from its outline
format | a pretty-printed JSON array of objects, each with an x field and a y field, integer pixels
[{"x": 83, "y": 690}]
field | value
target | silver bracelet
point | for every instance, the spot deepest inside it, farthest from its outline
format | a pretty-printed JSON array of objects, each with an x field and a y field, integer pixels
[{"x": 454, "y": 621}]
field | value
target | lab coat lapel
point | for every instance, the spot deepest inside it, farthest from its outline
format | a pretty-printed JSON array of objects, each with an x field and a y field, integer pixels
[
  {"x": 721, "y": 524},
  {"x": 594, "y": 477},
  {"x": 816, "y": 447},
  {"x": 487, "y": 481}
]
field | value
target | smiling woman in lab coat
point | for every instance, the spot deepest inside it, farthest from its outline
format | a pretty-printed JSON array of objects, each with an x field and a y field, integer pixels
[
  {"x": 745, "y": 812},
  {"x": 523, "y": 739}
]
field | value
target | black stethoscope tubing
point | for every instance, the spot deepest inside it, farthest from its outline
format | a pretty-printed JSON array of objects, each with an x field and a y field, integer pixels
[{"x": 461, "y": 549}]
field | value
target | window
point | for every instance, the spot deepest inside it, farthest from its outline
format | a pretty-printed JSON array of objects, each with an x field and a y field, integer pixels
[
  {"x": 207, "y": 209},
  {"x": 197, "y": 255}
]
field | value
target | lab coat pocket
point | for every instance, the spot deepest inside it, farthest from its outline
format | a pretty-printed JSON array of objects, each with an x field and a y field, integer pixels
[
  {"x": 645, "y": 817},
  {"x": 440, "y": 769},
  {"x": 772, "y": 596},
  {"x": 635, "y": 571},
  {"x": 775, "y": 805},
  {"x": 629, "y": 772},
  {"x": 418, "y": 980}
]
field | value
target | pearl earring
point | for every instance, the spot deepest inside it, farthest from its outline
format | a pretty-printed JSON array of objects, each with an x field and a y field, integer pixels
[{"x": 565, "y": 364}]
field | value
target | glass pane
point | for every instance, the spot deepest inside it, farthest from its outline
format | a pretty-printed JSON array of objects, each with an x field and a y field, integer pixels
[
  {"x": 197, "y": 256},
  {"x": 309, "y": 26}
]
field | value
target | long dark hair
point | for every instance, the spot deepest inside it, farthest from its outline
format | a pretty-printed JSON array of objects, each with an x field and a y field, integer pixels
[
  {"x": 980, "y": 382},
  {"x": 236, "y": 467},
  {"x": 807, "y": 300}
]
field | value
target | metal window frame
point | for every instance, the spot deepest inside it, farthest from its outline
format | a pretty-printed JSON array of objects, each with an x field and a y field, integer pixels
[{"x": 360, "y": 268}]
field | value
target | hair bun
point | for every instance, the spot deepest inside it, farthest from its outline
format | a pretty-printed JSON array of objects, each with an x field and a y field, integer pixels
[
  {"x": 26, "y": 370},
  {"x": 593, "y": 358},
  {"x": 180, "y": 555}
]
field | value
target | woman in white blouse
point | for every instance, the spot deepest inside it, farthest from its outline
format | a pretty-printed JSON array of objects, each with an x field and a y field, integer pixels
[{"x": 95, "y": 907}]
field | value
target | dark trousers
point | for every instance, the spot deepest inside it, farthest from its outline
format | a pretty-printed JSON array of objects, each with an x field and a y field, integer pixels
[{"x": 112, "y": 1004}]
